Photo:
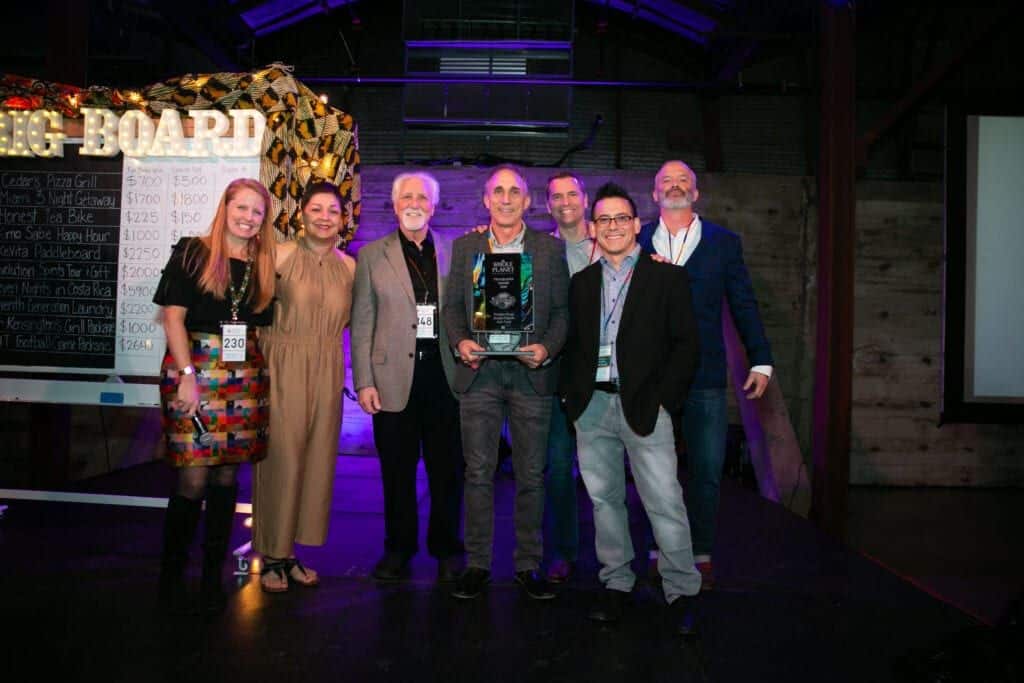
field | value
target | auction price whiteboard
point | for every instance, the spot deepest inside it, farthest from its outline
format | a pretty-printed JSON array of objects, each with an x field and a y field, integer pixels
[{"x": 163, "y": 200}]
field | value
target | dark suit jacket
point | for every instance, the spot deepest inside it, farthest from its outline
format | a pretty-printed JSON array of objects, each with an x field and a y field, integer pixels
[
  {"x": 656, "y": 349},
  {"x": 550, "y": 311},
  {"x": 717, "y": 271}
]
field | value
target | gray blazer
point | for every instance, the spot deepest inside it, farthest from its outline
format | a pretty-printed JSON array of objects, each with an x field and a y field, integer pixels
[
  {"x": 550, "y": 303},
  {"x": 383, "y": 327}
]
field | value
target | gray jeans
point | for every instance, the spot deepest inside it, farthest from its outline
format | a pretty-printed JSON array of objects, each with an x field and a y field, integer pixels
[
  {"x": 502, "y": 389},
  {"x": 601, "y": 435}
]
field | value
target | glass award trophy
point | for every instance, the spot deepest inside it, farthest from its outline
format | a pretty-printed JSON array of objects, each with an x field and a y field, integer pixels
[{"x": 502, "y": 303}]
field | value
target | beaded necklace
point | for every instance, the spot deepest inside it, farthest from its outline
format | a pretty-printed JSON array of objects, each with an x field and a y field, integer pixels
[{"x": 236, "y": 295}]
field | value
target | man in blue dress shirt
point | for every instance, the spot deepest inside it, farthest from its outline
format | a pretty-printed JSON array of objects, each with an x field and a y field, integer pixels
[{"x": 629, "y": 358}]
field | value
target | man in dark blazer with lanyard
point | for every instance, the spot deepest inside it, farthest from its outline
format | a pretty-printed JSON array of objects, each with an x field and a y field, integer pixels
[
  {"x": 520, "y": 387},
  {"x": 401, "y": 369},
  {"x": 713, "y": 258},
  {"x": 630, "y": 356}
]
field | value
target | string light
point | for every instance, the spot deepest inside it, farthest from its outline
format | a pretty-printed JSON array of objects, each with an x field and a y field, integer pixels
[
  {"x": 42, "y": 142},
  {"x": 210, "y": 126},
  {"x": 5, "y": 136},
  {"x": 169, "y": 139},
  {"x": 323, "y": 97},
  {"x": 19, "y": 131},
  {"x": 101, "y": 134},
  {"x": 135, "y": 133}
]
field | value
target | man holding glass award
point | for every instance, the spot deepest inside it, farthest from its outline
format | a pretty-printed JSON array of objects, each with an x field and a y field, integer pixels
[{"x": 506, "y": 316}]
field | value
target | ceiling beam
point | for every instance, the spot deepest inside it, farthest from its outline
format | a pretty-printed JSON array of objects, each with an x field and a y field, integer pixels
[
  {"x": 193, "y": 19},
  {"x": 920, "y": 90}
]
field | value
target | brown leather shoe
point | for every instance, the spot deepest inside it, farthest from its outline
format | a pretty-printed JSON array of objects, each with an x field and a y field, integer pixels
[
  {"x": 707, "y": 575},
  {"x": 561, "y": 571}
]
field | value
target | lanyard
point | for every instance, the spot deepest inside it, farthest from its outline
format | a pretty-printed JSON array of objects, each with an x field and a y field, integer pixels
[
  {"x": 426, "y": 287},
  {"x": 675, "y": 258},
  {"x": 615, "y": 301},
  {"x": 236, "y": 295}
]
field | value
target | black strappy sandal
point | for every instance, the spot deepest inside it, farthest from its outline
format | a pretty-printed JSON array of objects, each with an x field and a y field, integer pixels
[
  {"x": 306, "y": 580},
  {"x": 278, "y": 567}
]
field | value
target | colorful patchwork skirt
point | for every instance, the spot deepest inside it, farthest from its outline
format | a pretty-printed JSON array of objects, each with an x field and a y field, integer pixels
[{"x": 232, "y": 402}]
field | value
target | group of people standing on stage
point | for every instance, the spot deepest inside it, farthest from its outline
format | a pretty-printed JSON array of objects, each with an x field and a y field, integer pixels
[{"x": 629, "y": 348}]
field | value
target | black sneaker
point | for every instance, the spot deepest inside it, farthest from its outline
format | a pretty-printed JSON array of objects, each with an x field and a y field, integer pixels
[
  {"x": 683, "y": 613},
  {"x": 609, "y": 606},
  {"x": 535, "y": 585},
  {"x": 471, "y": 583}
]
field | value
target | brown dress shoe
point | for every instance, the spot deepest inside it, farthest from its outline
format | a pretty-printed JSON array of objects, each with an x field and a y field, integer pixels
[
  {"x": 707, "y": 575},
  {"x": 560, "y": 571}
]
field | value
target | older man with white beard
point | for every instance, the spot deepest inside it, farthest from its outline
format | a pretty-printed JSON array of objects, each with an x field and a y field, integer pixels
[{"x": 402, "y": 371}]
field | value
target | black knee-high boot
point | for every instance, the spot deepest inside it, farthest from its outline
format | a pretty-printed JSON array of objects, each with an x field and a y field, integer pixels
[
  {"x": 220, "y": 513},
  {"x": 180, "y": 524}
]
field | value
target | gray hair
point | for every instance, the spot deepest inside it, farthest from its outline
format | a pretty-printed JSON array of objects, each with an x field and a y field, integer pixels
[
  {"x": 511, "y": 169},
  {"x": 429, "y": 182},
  {"x": 685, "y": 165}
]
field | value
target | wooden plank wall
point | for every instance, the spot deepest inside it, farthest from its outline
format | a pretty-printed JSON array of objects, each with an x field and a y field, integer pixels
[
  {"x": 898, "y": 362},
  {"x": 897, "y": 388}
]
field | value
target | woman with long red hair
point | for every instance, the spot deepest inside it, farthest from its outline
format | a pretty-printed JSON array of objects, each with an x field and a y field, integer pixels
[{"x": 215, "y": 291}]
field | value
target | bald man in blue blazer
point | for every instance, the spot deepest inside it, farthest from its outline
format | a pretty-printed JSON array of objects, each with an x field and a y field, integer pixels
[{"x": 713, "y": 257}]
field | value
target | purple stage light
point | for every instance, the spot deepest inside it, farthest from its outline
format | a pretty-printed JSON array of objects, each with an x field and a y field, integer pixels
[{"x": 502, "y": 45}]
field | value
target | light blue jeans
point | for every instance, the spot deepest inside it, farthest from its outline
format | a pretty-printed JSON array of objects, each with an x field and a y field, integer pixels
[{"x": 602, "y": 435}]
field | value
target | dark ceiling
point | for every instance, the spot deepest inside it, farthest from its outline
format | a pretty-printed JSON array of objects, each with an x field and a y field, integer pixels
[{"x": 741, "y": 42}]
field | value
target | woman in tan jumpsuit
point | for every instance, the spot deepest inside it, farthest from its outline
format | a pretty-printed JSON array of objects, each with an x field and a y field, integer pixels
[{"x": 292, "y": 487}]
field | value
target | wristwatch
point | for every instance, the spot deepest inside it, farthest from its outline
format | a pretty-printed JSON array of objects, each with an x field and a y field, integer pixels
[{"x": 188, "y": 370}]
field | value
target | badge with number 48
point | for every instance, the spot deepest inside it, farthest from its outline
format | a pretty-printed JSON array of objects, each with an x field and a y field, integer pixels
[{"x": 425, "y": 316}]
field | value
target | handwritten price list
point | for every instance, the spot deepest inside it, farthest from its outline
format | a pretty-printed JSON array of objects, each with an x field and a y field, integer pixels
[
  {"x": 59, "y": 228},
  {"x": 164, "y": 199}
]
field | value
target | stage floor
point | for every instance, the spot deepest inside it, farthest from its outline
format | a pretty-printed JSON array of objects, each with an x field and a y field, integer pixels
[{"x": 790, "y": 604}]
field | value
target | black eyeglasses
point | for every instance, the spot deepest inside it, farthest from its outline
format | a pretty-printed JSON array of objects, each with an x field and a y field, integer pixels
[{"x": 622, "y": 220}]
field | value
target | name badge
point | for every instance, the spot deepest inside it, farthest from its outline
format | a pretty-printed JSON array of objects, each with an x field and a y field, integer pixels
[
  {"x": 604, "y": 363},
  {"x": 232, "y": 342},
  {"x": 426, "y": 314},
  {"x": 499, "y": 338}
]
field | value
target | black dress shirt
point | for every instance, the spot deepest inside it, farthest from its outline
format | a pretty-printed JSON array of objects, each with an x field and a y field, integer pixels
[{"x": 422, "y": 266}]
